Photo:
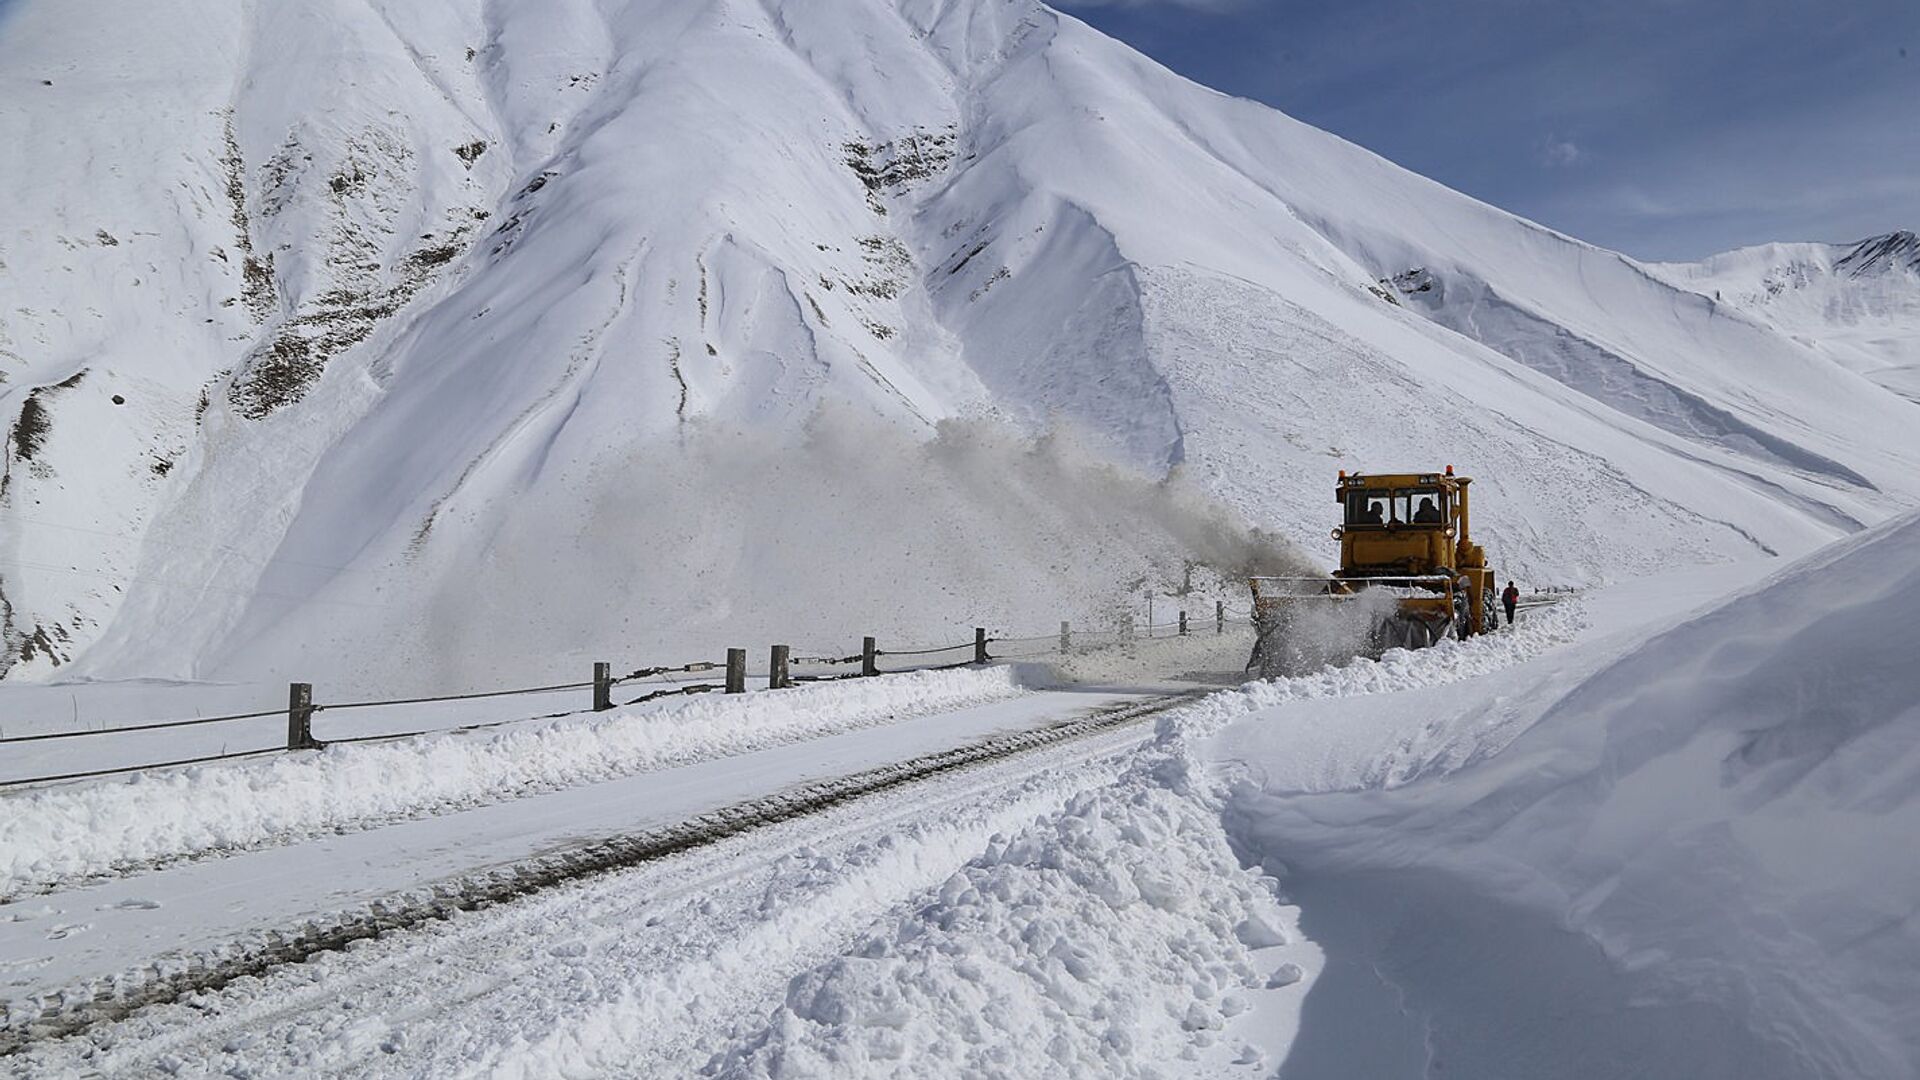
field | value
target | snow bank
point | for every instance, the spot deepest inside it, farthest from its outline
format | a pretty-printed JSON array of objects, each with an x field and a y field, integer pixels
[
  {"x": 52, "y": 835},
  {"x": 1107, "y": 939},
  {"x": 1395, "y": 671},
  {"x": 1699, "y": 861}
]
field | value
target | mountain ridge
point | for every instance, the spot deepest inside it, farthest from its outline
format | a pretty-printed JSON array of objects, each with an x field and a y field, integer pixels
[{"x": 1858, "y": 302}]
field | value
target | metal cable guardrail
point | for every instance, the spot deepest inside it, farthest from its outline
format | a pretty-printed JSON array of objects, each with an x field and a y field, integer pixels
[
  {"x": 650, "y": 672},
  {"x": 476, "y": 695},
  {"x": 825, "y": 661},
  {"x": 382, "y": 737},
  {"x": 335, "y": 707},
  {"x": 1023, "y": 640},
  {"x": 925, "y": 652},
  {"x": 696, "y": 688},
  {"x": 301, "y": 709},
  {"x": 155, "y": 726},
  {"x": 91, "y": 773}
]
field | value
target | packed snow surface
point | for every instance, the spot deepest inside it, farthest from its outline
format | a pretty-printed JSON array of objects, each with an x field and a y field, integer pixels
[{"x": 1119, "y": 935}]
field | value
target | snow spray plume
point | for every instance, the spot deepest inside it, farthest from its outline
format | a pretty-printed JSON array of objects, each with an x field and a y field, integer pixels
[
  {"x": 1304, "y": 635},
  {"x": 740, "y": 538}
]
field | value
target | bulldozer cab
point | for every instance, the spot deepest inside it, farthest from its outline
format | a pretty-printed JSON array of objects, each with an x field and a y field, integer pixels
[{"x": 1402, "y": 523}]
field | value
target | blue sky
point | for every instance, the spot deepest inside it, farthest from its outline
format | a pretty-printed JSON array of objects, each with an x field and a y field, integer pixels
[{"x": 1668, "y": 129}]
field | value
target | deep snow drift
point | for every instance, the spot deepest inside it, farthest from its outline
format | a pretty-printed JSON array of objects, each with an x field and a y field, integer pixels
[
  {"x": 313, "y": 309},
  {"x": 1697, "y": 861}
]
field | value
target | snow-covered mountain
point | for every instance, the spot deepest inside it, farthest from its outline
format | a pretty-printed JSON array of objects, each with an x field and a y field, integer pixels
[
  {"x": 1857, "y": 303},
  {"x": 336, "y": 328}
]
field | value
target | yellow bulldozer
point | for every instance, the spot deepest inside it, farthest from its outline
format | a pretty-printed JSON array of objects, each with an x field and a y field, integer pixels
[{"x": 1409, "y": 575}]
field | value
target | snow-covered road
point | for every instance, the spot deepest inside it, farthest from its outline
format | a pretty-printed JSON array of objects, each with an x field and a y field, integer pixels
[
  {"x": 676, "y": 963},
  {"x": 128, "y": 930},
  {"x": 640, "y": 971},
  {"x": 711, "y": 934},
  {"x": 1126, "y": 902}
]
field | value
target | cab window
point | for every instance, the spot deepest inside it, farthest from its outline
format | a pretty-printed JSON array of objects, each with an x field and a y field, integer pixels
[
  {"x": 1369, "y": 508},
  {"x": 1402, "y": 506},
  {"x": 1427, "y": 507}
]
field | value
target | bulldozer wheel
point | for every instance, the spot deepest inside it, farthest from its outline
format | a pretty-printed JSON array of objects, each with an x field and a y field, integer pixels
[{"x": 1401, "y": 632}]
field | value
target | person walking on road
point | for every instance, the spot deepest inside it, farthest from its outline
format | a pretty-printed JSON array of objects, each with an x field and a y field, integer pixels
[{"x": 1510, "y": 599}]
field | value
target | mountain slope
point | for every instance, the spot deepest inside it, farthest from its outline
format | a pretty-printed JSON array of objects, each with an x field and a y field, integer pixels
[
  {"x": 1857, "y": 303},
  {"x": 427, "y": 316}
]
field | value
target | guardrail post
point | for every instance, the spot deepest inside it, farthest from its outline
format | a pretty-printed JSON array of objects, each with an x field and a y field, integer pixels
[
  {"x": 736, "y": 671},
  {"x": 1219, "y": 616},
  {"x": 602, "y": 686},
  {"x": 777, "y": 678},
  {"x": 1066, "y": 637},
  {"x": 1183, "y": 624},
  {"x": 300, "y": 717},
  {"x": 869, "y": 657},
  {"x": 979, "y": 644}
]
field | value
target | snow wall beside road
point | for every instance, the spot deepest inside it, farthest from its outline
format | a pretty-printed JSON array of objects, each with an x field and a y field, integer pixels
[{"x": 1699, "y": 862}]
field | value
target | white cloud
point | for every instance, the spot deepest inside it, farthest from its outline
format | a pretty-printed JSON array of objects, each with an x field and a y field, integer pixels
[{"x": 1556, "y": 152}]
